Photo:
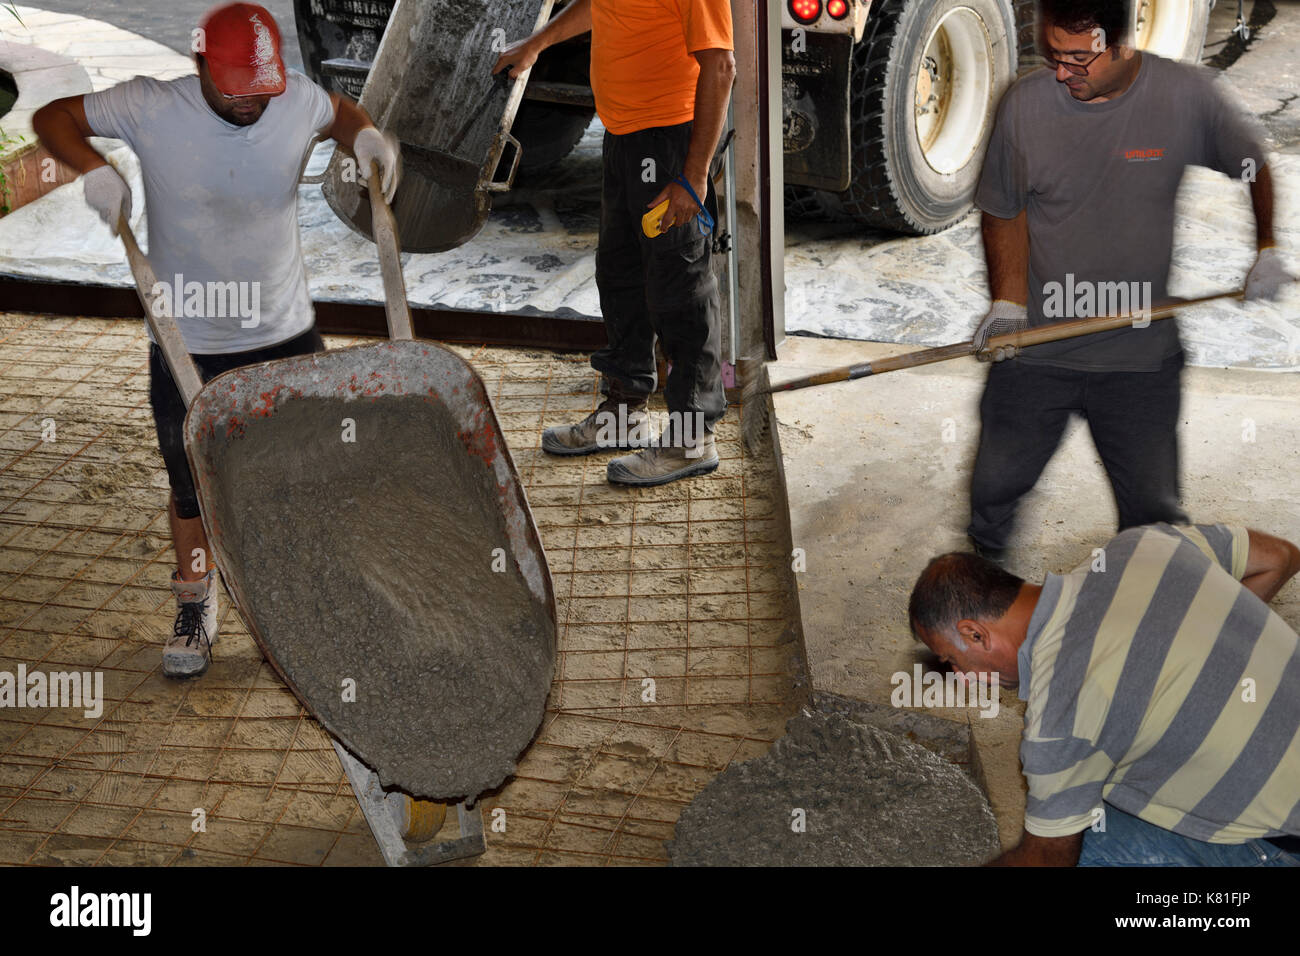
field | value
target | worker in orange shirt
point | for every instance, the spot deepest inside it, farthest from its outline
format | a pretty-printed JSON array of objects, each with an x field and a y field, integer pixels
[{"x": 661, "y": 75}]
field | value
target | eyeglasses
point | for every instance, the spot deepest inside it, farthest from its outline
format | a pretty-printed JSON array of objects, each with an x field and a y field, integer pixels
[{"x": 1078, "y": 69}]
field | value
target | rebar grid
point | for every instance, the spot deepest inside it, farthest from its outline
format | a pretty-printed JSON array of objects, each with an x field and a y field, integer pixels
[{"x": 678, "y": 584}]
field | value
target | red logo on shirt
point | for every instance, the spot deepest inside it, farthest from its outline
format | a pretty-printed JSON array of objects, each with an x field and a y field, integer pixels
[{"x": 1143, "y": 155}]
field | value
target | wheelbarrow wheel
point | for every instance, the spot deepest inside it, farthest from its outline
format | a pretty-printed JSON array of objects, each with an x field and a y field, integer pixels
[{"x": 421, "y": 819}]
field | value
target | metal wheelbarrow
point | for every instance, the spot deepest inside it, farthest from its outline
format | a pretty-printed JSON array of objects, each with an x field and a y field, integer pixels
[{"x": 368, "y": 520}]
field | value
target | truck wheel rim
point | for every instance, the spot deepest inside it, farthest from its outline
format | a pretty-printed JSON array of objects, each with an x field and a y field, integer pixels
[
  {"x": 1161, "y": 26},
  {"x": 952, "y": 89}
]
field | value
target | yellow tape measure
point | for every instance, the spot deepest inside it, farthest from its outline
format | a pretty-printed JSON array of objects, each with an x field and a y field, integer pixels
[{"x": 652, "y": 222}]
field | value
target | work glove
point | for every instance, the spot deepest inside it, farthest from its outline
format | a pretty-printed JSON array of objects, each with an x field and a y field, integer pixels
[
  {"x": 108, "y": 194},
  {"x": 1266, "y": 276},
  {"x": 1002, "y": 317},
  {"x": 374, "y": 147}
]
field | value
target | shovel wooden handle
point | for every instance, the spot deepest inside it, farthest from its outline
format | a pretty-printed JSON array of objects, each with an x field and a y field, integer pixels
[
  {"x": 384, "y": 227},
  {"x": 1035, "y": 336},
  {"x": 157, "y": 312}
]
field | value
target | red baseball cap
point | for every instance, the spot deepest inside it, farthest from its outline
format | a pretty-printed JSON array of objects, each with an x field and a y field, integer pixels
[{"x": 241, "y": 44}]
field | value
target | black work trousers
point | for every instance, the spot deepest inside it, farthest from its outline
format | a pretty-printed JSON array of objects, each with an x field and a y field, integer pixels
[
  {"x": 661, "y": 287},
  {"x": 1133, "y": 417},
  {"x": 169, "y": 407}
]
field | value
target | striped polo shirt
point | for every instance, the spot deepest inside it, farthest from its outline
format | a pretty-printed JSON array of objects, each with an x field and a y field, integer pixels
[{"x": 1157, "y": 682}]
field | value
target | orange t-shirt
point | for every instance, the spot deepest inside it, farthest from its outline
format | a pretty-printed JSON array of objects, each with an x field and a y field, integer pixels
[{"x": 642, "y": 70}]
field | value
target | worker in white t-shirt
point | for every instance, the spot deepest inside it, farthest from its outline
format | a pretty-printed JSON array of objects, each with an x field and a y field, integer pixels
[{"x": 221, "y": 152}]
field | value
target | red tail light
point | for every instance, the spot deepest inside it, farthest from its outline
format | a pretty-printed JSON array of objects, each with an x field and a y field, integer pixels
[
  {"x": 838, "y": 9},
  {"x": 806, "y": 11}
]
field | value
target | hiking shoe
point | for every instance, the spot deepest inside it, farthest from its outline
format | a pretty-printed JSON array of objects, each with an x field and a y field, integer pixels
[
  {"x": 661, "y": 464},
  {"x": 188, "y": 651},
  {"x": 613, "y": 425}
]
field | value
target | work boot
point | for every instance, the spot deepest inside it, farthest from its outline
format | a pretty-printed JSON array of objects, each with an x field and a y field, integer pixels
[
  {"x": 188, "y": 651},
  {"x": 619, "y": 422},
  {"x": 663, "y": 463}
]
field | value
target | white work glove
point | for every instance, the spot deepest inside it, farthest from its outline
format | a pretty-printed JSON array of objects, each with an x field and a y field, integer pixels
[
  {"x": 1266, "y": 276},
  {"x": 372, "y": 146},
  {"x": 108, "y": 194},
  {"x": 1002, "y": 317}
]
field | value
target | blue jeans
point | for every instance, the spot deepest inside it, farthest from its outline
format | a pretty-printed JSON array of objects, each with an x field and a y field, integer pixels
[{"x": 1129, "y": 841}]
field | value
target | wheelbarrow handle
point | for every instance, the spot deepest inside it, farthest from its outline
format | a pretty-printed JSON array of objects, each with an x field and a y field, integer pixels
[
  {"x": 384, "y": 227},
  {"x": 157, "y": 313}
]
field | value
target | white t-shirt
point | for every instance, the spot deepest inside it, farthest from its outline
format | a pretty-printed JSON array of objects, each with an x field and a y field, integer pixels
[{"x": 222, "y": 205}]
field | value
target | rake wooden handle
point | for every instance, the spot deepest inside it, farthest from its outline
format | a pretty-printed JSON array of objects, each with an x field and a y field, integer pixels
[{"x": 1035, "y": 336}]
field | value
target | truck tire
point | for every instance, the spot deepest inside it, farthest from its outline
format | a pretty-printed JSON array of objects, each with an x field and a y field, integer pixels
[
  {"x": 547, "y": 132},
  {"x": 927, "y": 76},
  {"x": 1171, "y": 28}
]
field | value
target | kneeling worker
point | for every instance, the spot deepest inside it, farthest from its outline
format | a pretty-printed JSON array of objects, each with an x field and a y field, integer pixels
[{"x": 1159, "y": 683}]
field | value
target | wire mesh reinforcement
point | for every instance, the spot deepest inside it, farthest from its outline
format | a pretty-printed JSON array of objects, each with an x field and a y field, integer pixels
[{"x": 676, "y": 654}]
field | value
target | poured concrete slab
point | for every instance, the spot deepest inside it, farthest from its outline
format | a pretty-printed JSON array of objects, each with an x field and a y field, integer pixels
[{"x": 833, "y": 792}]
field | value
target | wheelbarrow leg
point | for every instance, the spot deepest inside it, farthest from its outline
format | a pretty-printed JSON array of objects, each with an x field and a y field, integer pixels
[{"x": 393, "y": 816}]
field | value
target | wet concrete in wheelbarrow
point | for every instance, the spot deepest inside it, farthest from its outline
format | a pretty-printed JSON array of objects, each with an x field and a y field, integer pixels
[
  {"x": 833, "y": 792},
  {"x": 379, "y": 574}
]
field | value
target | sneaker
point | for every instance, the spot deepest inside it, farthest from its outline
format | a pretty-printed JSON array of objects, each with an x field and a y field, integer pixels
[
  {"x": 188, "y": 651},
  {"x": 613, "y": 425},
  {"x": 661, "y": 464}
]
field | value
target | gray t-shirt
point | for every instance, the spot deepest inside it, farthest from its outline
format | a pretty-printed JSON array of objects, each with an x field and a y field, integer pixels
[
  {"x": 1099, "y": 181},
  {"x": 222, "y": 205}
]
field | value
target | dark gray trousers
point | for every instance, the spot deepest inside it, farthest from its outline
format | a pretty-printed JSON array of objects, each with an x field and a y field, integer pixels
[{"x": 1133, "y": 417}]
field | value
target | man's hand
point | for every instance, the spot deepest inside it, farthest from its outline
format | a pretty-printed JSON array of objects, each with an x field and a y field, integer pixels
[
  {"x": 573, "y": 20},
  {"x": 108, "y": 194},
  {"x": 1042, "y": 851},
  {"x": 1002, "y": 317},
  {"x": 682, "y": 209},
  {"x": 519, "y": 56},
  {"x": 379, "y": 149},
  {"x": 1266, "y": 276}
]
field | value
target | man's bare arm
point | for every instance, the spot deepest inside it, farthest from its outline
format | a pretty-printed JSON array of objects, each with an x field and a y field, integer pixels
[
  {"x": 1271, "y": 563},
  {"x": 522, "y": 54},
  {"x": 1042, "y": 851},
  {"x": 1006, "y": 253},
  {"x": 712, "y": 91},
  {"x": 63, "y": 130},
  {"x": 349, "y": 119}
]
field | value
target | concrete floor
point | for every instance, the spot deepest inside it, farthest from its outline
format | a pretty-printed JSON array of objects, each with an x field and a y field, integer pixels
[{"x": 686, "y": 585}]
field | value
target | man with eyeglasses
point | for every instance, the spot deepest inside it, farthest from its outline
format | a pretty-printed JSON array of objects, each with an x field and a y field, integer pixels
[{"x": 1077, "y": 195}]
